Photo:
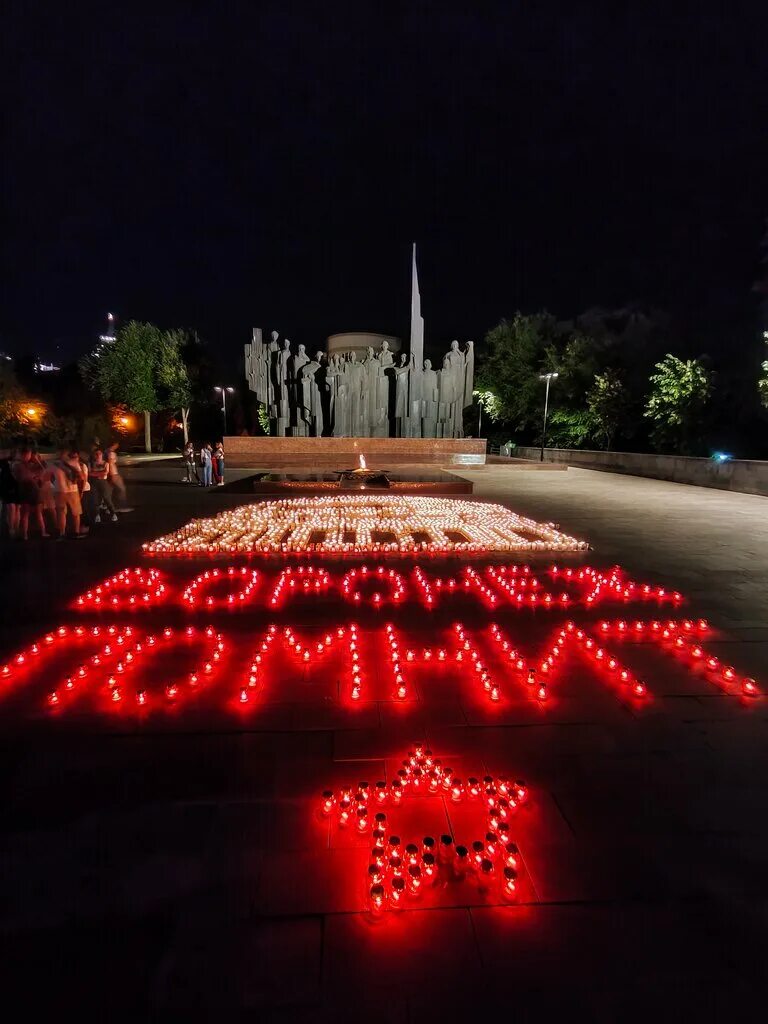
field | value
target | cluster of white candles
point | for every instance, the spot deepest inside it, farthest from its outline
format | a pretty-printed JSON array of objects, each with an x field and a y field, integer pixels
[{"x": 365, "y": 523}]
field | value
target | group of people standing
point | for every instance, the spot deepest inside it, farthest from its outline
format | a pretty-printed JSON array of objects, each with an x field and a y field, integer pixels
[
  {"x": 53, "y": 496},
  {"x": 210, "y": 462}
]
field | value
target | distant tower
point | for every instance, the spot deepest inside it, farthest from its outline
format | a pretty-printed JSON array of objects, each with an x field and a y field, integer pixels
[{"x": 109, "y": 334}]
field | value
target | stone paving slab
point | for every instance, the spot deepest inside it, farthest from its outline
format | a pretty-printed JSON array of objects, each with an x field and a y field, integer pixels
[{"x": 182, "y": 869}]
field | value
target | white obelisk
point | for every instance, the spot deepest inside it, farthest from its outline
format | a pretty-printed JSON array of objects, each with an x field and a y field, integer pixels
[{"x": 417, "y": 320}]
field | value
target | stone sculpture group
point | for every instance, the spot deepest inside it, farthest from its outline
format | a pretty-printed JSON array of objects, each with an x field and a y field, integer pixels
[{"x": 341, "y": 396}]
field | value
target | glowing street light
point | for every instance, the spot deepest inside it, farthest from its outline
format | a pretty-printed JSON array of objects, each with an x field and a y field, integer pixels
[
  {"x": 548, "y": 377},
  {"x": 224, "y": 392}
]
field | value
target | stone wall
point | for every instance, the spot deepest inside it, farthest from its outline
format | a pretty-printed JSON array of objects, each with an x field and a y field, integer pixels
[
  {"x": 343, "y": 452},
  {"x": 748, "y": 477}
]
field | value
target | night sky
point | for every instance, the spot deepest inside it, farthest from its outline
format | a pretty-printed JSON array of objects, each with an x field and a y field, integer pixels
[{"x": 263, "y": 165}]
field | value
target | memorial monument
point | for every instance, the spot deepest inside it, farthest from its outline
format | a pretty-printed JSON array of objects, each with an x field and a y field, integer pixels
[{"x": 341, "y": 396}]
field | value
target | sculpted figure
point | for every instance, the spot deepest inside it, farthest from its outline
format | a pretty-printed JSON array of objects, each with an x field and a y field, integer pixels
[
  {"x": 298, "y": 426},
  {"x": 415, "y": 383},
  {"x": 273, "y": 390},
  {"x": 429, "y": 398},
  {"x": 385, "y": 356},
  {"x": 469, "y": 373},
  {"x": 355, "y": 378},
  {"x": 452, "y": 393},
  {"x": 282, "y": 376},
  {"x": 311, "y": 406},
  {"x": 402, "y": 397},
  {"x": 255, "y": 366},
  {"x": 339, "y": 397},
  {"x": 378, "y": 393}
]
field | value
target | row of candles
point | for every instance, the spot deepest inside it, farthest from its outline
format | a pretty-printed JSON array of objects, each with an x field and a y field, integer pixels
[
  {"x": 398, "y": 872},
  {"x": 613, "y": 585},
  {"x": 292, "y": 525},
  {"x": 375, "y": 585},
  {"x": 306, "y": 653},
  {"x": 121, "y": 657},
  {"x": 681, "y": 636},
  {"x": 194, "y": 592},
  {"x": 145, "y": 585}
]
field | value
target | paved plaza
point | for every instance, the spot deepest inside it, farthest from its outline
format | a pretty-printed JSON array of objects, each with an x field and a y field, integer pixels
[{"x": 178, "y": 865}]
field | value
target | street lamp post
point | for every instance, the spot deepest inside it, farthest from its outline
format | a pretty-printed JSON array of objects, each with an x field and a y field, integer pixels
[
  {"x": 548, "y": 377},
  {"x": 224, "y": 392}
]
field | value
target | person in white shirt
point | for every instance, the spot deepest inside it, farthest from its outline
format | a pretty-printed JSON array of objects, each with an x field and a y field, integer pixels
[
  {"x": 189, "y": 464},
  {"x": 115, "y": 479},
  {"x": 66, "y": 477}
]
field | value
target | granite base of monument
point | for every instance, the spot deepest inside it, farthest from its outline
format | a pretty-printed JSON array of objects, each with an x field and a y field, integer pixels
[
  {"x": 333, "y": 452},
  {"x": 412, "y": 479}
]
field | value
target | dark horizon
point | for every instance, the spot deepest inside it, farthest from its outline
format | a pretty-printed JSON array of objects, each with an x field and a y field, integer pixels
[{"x": 270, "y": 169}]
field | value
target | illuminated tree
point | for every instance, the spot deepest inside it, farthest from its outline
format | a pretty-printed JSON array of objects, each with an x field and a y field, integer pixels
[
  {"x": 762, "y": 380},
  {"x": 141, "y": 370},
  {"x": 516, "y": 352},
  {"x": 173, "y": 378},
  {"x": 608, "y": 402},
  {"x": 19, "y": 414},
  {"x": 679, "y": 394}
]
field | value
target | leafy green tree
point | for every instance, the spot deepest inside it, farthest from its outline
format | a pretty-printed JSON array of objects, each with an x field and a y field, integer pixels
[
  {"x": 125, "y": 371},
  {"x": 568, "y": 428},
  {"x": 576, "y": 358},
  {"x": 174, "y": 389},
  {"x": 11, "y": 400},
  {"x": 762, "y": 380},
  {"x": 142, "y": 370},
  {"x": 62, "y": 430},
  {"x": 679, "y": 394},
  {"x": 20, "y": 413},
  {"x": 608, "y": 404},
  {"x": 516, "y": 352},
  {"x": 263, "y": 417}
]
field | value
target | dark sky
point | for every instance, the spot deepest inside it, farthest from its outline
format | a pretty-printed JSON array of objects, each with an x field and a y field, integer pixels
[{"x": 230, "y": 165}]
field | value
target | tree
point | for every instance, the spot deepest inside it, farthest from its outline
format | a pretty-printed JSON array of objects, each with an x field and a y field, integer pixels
[
  {"x": 679, "y": 393},
  {"x": 568, "y": 428},
  {"x": 125, "y": 371},
  {"x": 762, "y": 381},
  {"x": 11, "y": 399},
  {"x": 516, "y": 351},
  {"x": 172, "y": 377},
  {"x": 20, "y": 413},
  {"x": 142, "y": 370},
  {"x": 608, "y": 403}
]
